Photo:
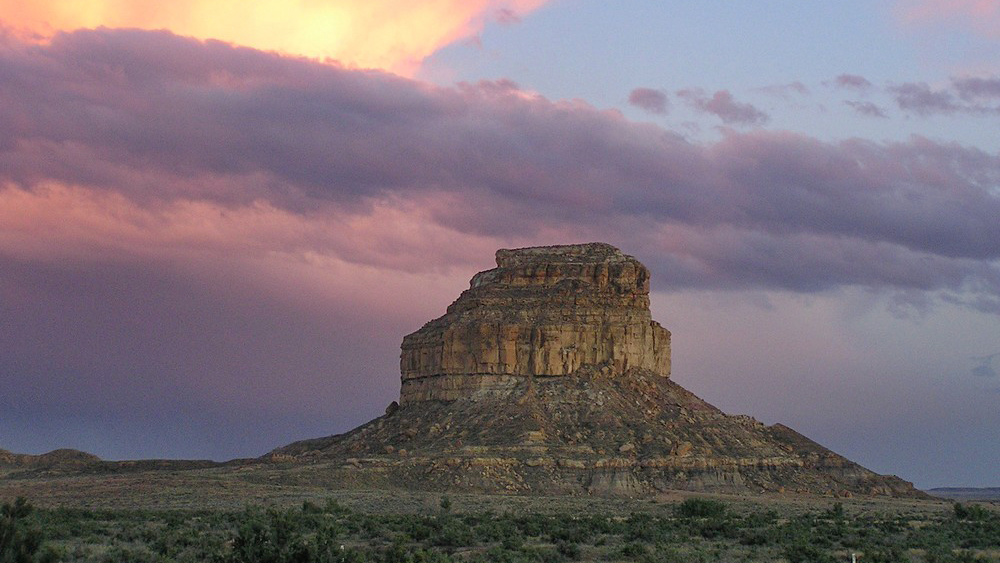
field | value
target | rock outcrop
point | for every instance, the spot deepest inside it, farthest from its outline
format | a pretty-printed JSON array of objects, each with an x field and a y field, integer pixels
[
  {"x": 548, "y": 376},
  {"x": 542, "y": 312}
]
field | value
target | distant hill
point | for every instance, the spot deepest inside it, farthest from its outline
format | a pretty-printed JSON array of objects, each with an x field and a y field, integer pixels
[
  {"x": 967, "y": 493},
  {"x": 62, "y": 458},
  {"x": 68, "y": 461}
]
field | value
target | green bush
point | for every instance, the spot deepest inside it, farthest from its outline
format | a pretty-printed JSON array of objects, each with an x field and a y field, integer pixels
[
  {"x": 801, "y": 552},
  {"x": 695, "y": 507},
  {"x": 886, "y": 554},
  {"x": 269, "y": 537},
  {"x": 569, "y": 550},
  {"x": 972, "y": 512},
  {"x": 632, "y": 550},
  {"x": 19, "y": 542}
]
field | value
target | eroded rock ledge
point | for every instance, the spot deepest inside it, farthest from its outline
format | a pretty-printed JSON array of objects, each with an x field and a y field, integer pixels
[{"x": 542, "y": 312}]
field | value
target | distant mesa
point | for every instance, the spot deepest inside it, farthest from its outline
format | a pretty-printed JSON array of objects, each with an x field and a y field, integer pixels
[
  {"x": 549, "y": 376},
  {"x": 984, "y": 494}
]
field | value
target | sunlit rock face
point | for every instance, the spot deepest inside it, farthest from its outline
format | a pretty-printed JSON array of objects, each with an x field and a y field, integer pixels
[{"x": 544, "y": 311}]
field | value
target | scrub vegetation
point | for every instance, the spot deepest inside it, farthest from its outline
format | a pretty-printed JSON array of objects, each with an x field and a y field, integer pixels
[{"x": 699, "y": 529}]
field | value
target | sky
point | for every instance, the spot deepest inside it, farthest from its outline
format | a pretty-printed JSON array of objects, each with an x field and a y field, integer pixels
[{"x": 219, "y": 219}]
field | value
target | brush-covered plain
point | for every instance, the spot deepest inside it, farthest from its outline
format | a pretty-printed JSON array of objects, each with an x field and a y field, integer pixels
[{"x": 697, "y": 529}]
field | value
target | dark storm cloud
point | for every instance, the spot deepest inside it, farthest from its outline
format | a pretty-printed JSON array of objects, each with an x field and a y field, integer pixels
[
  {"x": 867, "y": 109},
  {"x": 161, "y": 120},
  {"x": 649, "y": 100},
  {"x": 722, "y": 105}
]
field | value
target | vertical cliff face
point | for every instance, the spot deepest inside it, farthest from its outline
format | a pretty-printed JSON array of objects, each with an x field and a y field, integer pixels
[{"x": 542, "y": 312}]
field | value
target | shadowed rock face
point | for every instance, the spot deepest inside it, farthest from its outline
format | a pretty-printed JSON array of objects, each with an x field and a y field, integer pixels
[
  {"x": 548, "y": 376},
  {"x": 542, "y": 312}
]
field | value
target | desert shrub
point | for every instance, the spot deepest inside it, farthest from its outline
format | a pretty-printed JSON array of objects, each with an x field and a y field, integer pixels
[
  {"x": 973, "y": 512},
  {"x": 501, "y": 555},
  {"x": 20, "y": 541},
  {"x": 268, "y": 537},
  {"x": 632, "y": 550},
  {"x": 122, "y": 554},
  {"x": 941, "y": 555},
  {"x": 453, "y": 532},
  {"x": 570, "y": 530},
  {"x": 886, "y": 554},
  {"x": 445, "y": 504},
  {"x": 372, "y": 527},
  {"x": 714, "y": 528},
  {"x": 418, "y": 529},
  {"x": 665, "y": 555},
  {"x": 802, "y": 552},
  {"x": 569, "y": 550},
  {"x": 639, "y": 527},
  {"x": 696, "y": 507},
  {"x": 540, "y": 555}
]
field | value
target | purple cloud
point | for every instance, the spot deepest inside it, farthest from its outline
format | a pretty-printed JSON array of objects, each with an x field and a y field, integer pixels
[
  {"x": 977, "y": 88},
  {"x": 852, "y": 81},
  {"x": 920, "y": 98},
  {"x": 649, "y": 100},
  {"x": 725, "y": 107},
  {"x": 784, "y": 90},
  {"x": 160, "y": 120},
  {"x": 506, "y": 16},
  {"x": 966, "y": 95},
  {"x": 867, "y": 109}
]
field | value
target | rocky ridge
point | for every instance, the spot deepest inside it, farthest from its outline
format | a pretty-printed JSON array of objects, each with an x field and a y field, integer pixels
[{"x": 548, "y": 376}]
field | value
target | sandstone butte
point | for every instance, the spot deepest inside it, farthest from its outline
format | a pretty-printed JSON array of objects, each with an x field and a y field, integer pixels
[{"x": 549, "y": 376}]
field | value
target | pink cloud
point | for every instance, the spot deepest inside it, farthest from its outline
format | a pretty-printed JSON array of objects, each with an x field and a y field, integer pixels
[
  {"x": 649, "y": 100},
  {"x": 298, "y": 158},
  {"x": 723, "y": 105},
  {"x": 983, "y": 16}
]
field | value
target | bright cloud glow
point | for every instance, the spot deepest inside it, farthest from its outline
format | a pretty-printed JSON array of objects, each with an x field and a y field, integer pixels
[{"x": 394, "y": 35}]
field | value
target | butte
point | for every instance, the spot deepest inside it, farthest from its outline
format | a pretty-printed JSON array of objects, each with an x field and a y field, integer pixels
[{"x": 549, "y": 376}]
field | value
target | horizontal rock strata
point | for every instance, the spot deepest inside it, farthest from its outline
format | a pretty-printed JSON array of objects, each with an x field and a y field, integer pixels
[{"x": 543, "y": 311}]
